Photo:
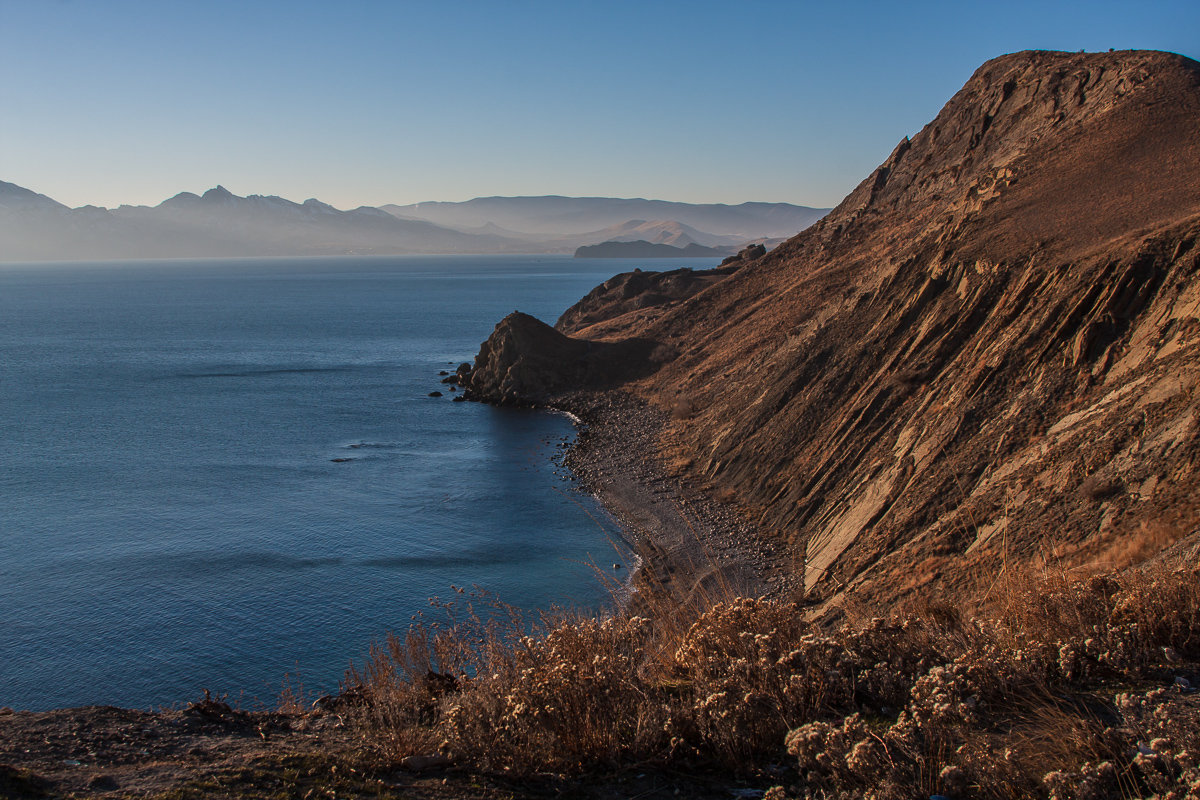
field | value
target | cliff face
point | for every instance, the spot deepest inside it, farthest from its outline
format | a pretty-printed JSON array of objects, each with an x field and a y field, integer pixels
[{"x": 987, "y": 353}]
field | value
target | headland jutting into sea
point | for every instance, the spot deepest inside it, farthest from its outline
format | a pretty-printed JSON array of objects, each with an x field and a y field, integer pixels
[{"x": 963, "y": 405}]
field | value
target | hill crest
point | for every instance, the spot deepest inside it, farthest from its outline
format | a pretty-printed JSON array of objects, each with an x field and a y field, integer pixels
[{"x": 987, "y": 353}]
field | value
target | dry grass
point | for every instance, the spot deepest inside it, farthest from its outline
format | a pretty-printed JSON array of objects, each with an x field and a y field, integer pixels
[
  {"x": 1063, "y": 690},
  {"x": 683, "y": 408},
  {"x": 1136, "y": 546}
]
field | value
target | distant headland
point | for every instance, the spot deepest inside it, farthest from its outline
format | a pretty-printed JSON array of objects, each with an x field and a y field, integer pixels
[{"x": 644, "y": 249}]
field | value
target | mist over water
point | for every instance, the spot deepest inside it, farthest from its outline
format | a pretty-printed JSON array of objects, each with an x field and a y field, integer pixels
[{"x": 172, "y": 516}]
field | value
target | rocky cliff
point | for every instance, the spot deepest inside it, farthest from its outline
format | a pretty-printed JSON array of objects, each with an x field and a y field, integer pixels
[
  {"x": 525, "y": 361},
  {"x": 987, "y": 354}
]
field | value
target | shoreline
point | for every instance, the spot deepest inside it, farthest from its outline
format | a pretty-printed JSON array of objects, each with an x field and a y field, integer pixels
[
  {"x": 691, "y": 551},
  {"x": 692, "y": 548}
]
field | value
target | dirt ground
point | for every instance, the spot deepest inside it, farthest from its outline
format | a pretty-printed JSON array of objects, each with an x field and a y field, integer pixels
[{"x": 210, "y": 750}]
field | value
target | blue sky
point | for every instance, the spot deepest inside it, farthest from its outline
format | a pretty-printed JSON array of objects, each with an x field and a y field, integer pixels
[{"x": 124, "y": 101}]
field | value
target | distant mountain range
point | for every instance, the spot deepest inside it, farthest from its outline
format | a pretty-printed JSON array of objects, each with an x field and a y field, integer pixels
[
  {"x": 218, "y": 223},
  {"x": 561, "y": 216}
]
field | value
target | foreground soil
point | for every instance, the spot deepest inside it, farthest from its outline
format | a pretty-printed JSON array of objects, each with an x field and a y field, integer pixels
[{"x": 209, "y": 750}]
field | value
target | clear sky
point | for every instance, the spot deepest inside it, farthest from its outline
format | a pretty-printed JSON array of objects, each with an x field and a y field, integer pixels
[{"x": 365, "y": 103}]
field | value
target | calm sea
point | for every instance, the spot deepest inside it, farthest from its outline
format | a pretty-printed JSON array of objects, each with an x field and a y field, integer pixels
[{"x": 172, "y": 516}]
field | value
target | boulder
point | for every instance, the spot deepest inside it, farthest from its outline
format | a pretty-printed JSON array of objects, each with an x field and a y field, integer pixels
[{"x": 745, "y": 255}]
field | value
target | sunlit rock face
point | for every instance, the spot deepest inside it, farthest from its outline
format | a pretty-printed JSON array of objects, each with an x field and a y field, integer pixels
[{"x": 987, "y": 354}]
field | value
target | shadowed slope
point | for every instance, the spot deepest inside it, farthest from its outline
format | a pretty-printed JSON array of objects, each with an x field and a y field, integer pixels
[{"x": 527, "y": 361}]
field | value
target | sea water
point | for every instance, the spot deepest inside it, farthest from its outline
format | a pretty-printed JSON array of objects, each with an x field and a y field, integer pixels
[{"x": 216, "y": 474}]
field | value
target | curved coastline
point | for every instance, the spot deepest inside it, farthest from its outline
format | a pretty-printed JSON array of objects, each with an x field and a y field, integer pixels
[{"x": 690, "y": 547}]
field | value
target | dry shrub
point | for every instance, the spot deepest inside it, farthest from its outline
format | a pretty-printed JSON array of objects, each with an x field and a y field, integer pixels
[
  {"x": 752, "y": 669},
  {"x": 1154, "y": 752},
  {"x": 399, "y": 694},
  {"x": 1110, "y": 624},
  {"x": 1017, "y": 702},
  {"x": 579, "y": 692},
  {"x": 566, "y": 699},
  {"x": 1019, "y": 710},
  {"x": 683, "y": 408},
  {"x": 293, "y": 697}
]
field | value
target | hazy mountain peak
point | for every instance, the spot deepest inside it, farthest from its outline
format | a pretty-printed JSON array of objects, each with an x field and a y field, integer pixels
[
  {"x": 373, "y": 211},
  {"x": 16, "y": 197},
  {"x": 219, "y": 194},
  {"x": 181, "y": 199},
  {"x": 571, "y": 216},
  {"x": 313, "y": 204}
]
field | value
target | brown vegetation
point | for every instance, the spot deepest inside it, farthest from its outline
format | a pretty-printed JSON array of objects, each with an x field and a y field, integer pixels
[{"x": 1063, "y": 687}]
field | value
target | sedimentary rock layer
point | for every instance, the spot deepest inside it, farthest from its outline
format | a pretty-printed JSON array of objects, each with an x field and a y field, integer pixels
[{"x": 987, "y": 354}]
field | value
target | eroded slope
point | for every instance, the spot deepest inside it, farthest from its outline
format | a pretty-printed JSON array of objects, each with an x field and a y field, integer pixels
[{"x": 986, "y": 354}]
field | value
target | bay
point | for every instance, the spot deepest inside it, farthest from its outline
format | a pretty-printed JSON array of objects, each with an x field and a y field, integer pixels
[{"x": 214, "y": 473}]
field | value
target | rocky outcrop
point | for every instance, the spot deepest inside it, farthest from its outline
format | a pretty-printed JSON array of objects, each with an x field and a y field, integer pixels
[
  {"x": 635, "y": 292},
  {"x": 527, "y": 362},
  {"x": 988, "y": 354},
  {"x": 746, "y": 255}
]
